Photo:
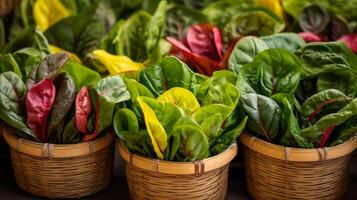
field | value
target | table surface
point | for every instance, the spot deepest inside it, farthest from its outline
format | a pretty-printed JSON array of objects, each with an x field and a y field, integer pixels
[{"x": 118, "y": 188}]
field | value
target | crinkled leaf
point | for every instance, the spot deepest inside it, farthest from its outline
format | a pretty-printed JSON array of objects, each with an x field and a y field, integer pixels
[
  {"x": 39, "y": 102},
  {"x": 319, "y": 58},
  {"x": 66, "y": 93},
  {"x": 12, "y": 95},
  {"x": 83, "y": 109},
  {"x": 273, "y": 71},
  {"x": 48, "y": 68}
]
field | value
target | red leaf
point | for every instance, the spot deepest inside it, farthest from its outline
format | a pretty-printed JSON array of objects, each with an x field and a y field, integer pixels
[
  {"x": 350, "y": 40},
  {"x": 311, "y": 37},
  {"x": 205, "y": 40},
  {"x": 325, "y": 136},
  {"x": 39, "y": 102},
  {"x": 83, "y": 109},
  {"x": 200, "y": 64}
]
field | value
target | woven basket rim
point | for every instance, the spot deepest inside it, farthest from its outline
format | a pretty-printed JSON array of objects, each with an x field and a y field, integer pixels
[
  {"x": 178, "y": 168},
  {"x": 47, "y": 150},
  {"x": 298, "y": 154}
]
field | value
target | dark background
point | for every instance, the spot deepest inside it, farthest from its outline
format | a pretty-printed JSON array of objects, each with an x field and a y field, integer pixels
[{"x": 118, "y": 189}]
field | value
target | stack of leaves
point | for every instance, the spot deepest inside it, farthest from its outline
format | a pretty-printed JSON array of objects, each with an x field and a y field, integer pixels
[
  {"x": 174, "y": 115},
  {"x": 296, "y": 94},
  {"x": 47, "y": 108}
]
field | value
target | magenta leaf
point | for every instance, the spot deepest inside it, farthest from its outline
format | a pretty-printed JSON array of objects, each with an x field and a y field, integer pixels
[
  {"x": 350, "y": 40},
  {"x": 39, "y": 102},
  {"x": 311, "y": 37},
  {"x": 205, "y": 40},
  {"x": 198, "y": 63},
  {"x": 83, "y": 109},
  {"x": 325, "y": 136}
]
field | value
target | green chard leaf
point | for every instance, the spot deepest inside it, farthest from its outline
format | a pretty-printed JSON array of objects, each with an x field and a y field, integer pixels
[
  {"x": 264, "y": 115},
  {"x": 273, "y": 71},
  {"x": 12, "y": 95},
  {"x": 65, "y": 95},
  {"x": 288, "y": 41}
]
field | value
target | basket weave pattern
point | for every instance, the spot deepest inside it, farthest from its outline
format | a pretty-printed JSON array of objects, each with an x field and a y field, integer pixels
[
  {"x": 66, "y": 177},
  {"x": 145, "y": 184},
  {"x": 270, "y": 178},
  {"x": 296, "y": 176},
  {"x": 157, "y": 179}
]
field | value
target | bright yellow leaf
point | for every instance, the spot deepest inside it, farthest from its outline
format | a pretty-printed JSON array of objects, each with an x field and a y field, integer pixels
[
  {"x": 73, "y": 56},
  {"x": 117, "y": 64},
  {"x": 155, "y": 130},
  {"x": 48, "y": 12},
  {"x": 273, "y": 5},
  {"x": 182, "y": 98}
]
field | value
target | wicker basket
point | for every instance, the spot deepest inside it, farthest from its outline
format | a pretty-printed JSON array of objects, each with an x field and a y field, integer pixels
[
  {"x": 277, "y": 172},
  {"x": 157, "y": 179},
  {"x": 6, "y": 6},
  {"x": 61, "y": 170}
]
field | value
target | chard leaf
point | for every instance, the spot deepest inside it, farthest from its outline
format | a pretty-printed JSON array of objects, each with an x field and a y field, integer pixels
[
  {"x": 106, "y": 93},
  {"x": 8, "y": 63},
  {"x": 169, "y": 73},
  {"x": 314, "y": 104},
  {"x": 190, "y": 142},
  {"x": 39, "y": 102},
  {"x": 345, "y": 131},
  {"x": 314, "y": 19},
  {"x": 258, "y": 22},
  {"x": 12, "y": 95},
  {"x": 244, "y": 52},
  {"x": 320, "y": 58},
  {"x": 81, "y": 75},
  {"x": 273, "y": 71},
  {"x": 343, "y": 81},
  {"x": 182, "y": 98},
  {"x": 289, "y": 125},
  {"x": 48, "y": 68},
  {"x": 155, "y": 130},
  {"x": 47, "y": 13},
  {"x": 66, "y": 93},
  {"x": 264, "y": 115},
  {"x": 288, "y": 41},
  {"x": 315, "y": 132},
  {"x": 83, "y": 109},
  {"x": 78, "y": 34},
  {"x": 179, "y": 18}
]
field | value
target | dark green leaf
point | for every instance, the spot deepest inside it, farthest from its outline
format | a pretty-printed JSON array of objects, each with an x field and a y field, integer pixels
[
  {"x": 314, "y": 19},
  {"x": 264, "y": 115}
]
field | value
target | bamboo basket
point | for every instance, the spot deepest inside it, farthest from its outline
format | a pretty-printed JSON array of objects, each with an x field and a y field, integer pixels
[
  {"x": 6, "y": 6},
  {"x": 277, "y": 172},
  {"x": 61, "y": 170},
  {"x": 158, "y": 179}
]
